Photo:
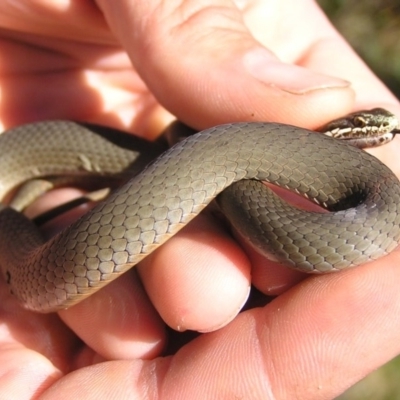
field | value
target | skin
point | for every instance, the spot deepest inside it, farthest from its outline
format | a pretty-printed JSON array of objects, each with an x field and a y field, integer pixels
[{"x": 131, "y": 64}]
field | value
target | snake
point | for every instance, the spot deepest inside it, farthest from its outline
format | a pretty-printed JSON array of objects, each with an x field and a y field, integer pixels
[{"x": 155, "y": 199}]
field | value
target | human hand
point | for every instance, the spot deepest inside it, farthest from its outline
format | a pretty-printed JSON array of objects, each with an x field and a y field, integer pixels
[{"x": 202, "y": 63}]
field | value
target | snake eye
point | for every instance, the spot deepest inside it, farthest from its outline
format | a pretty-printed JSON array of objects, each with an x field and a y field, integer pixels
[{"x": 359, "y": 121}]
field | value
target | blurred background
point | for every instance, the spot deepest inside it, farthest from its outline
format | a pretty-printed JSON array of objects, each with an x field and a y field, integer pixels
[{"x": 373, "y": 29}]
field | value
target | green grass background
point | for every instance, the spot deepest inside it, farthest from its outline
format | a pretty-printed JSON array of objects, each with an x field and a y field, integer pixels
[{"x": 373, "y": 29}]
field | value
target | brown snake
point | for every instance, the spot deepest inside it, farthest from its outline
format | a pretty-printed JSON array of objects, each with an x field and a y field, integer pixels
[{"x": 149, "y": 208}]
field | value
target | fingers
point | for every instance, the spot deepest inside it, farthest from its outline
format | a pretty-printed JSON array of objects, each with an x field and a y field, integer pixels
[
  {"x": 24, "y": 373},
  {"x": 335, "y": 318},
  {"x": 90, "y": 95},
  {"x": 76, "y": 21},
  {"x": 82, "y": 81},
  {"x": 195, "y": 283},
  {"x": 307, "y": 343},
  {"x": 191, "y": 283},
  {"x": 43, "y": 334},
  {"x": 203, "y": 64},
  {"x": 118, "y": 322},
  {"x": 35, "y": 350}
]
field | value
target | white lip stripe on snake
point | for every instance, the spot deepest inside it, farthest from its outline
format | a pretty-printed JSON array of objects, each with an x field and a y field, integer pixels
[{"x": 159, "y": 201}]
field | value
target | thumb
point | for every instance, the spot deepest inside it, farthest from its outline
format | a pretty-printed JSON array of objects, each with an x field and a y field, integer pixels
[{"x": 203, "y": 64}]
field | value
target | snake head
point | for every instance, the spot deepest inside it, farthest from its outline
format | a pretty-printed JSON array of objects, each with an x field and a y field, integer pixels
[{"x": 366, "y": 128}]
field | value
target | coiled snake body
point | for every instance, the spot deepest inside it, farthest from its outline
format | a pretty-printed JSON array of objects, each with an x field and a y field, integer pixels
[{"x": 363, "y": 195}]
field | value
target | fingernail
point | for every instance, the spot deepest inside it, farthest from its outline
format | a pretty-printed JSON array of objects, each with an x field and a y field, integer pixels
[{"x": 290, "y": 78}]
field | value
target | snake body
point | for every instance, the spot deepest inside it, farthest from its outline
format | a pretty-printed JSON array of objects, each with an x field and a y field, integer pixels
[{"x": 362, "y": 193}]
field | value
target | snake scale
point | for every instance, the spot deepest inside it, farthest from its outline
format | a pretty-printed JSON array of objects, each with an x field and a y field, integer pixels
[{"x": 361, "y": 193}]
